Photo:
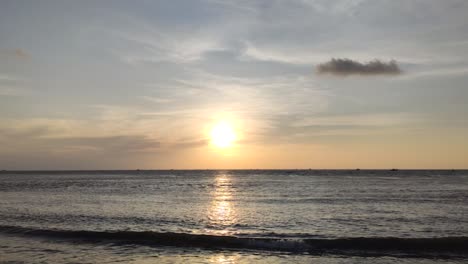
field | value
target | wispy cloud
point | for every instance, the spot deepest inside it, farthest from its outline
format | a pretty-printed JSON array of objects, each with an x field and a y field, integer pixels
[
  {"x": 345, "y": 67},
  {"x": 20, "y": 53},
  {"x": 436, "y": 73},
  {"x": 17, "y": 53},
  {"x": 359, "y": 120},
  {"x": 191, "y": 143},
  {"x": 110, "y": 143},
  {"x": 156, "y": 99},
  {"x": 11, "y": 86},
  {"x": 7, "y": 78},
  {"x": 156, "y": 45},
  {"x": 10, "y": 91}
]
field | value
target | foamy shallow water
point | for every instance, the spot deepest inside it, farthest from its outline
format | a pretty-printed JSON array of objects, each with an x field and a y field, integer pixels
[{"x": 28, "y": 250}]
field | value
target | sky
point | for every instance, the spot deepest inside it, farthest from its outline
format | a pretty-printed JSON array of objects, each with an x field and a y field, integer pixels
[{"x": 301, "y": 83}]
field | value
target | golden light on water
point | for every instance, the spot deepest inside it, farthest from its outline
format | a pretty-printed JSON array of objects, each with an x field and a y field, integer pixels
[
  {"x": 222, "y": 213},
  {"x": 222, "y": 259},
  {"x": 222, "y": 135}
]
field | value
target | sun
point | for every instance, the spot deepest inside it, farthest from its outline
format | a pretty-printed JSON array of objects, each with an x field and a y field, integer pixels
[{"x": 222, "y": 135}]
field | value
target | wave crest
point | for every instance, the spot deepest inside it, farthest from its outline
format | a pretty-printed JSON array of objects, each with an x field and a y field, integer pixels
[{"x": 376, "y": 246}]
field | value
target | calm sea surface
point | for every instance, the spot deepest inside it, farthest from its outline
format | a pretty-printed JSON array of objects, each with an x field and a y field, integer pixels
[{"x": 234, "y": 216}]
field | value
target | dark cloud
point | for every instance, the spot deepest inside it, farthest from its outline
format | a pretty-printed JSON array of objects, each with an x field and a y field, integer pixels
[{"x": 345, "y": 67}]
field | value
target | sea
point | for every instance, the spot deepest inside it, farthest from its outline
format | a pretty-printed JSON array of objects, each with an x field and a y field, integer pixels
[{"x": 234, "y": 216}]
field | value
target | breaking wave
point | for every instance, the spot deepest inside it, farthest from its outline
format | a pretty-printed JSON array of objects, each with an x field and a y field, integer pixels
[{"x": 448, "y": 247}]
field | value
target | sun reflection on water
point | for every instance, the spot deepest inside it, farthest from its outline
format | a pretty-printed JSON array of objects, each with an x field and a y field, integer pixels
[
  {"x": 222, "y": 259},
  {"x": 222, "y": 213}
]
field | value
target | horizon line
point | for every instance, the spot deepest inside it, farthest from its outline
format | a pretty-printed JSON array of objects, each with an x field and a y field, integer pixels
[{"x": 251, "y": 169}]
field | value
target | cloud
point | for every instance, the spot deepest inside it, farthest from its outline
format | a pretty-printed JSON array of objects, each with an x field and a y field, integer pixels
[
  {"x": 437, "y": 72},
  {"x": 127, "y": 143},
  {"x": 20, "y": 53},
  {"x": 14, "y": 53},
  {"x": 345, "y": 67},
  {"x": 356, "y": 120},
  {"x": 50, "y": 135},
  {"x": 195, "y": 143}
]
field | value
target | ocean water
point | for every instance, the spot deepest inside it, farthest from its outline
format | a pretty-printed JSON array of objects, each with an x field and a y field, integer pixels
[{"x": 252, "y": 216}]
